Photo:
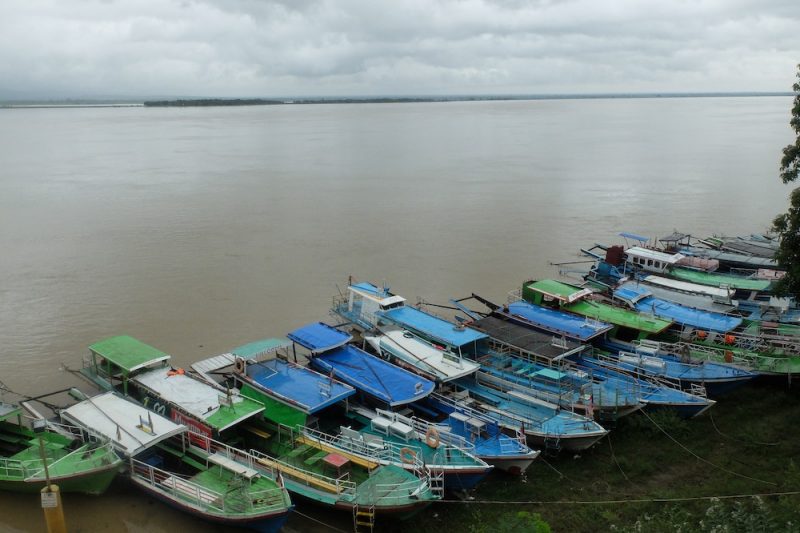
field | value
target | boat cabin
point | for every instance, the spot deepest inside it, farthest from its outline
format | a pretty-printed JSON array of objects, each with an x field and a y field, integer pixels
[
  {"x": 113, "y": 361},
  {"x": 365, "y": 302},
  {"x": 651, "y": 260}
]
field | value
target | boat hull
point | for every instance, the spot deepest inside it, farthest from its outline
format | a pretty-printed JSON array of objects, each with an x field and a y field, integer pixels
[
  {"x": 684, "y": 410},
  {"x": 515, "y": 466},
  {"x": 264, "y": 523},
  {"x": 94, "y": 482}
]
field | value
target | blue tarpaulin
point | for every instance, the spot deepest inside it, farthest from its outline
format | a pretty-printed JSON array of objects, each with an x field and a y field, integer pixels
[
  {"x": 433, "y": 327},
  {"x": 634, "y": 236},
  {"x": 681, "y": 314},
  {"x": 298, "y": 386},
  {"x": 383, "y": 381},
  {"x": 566, "y": 324},
  {"x": 318, "y": 337}
]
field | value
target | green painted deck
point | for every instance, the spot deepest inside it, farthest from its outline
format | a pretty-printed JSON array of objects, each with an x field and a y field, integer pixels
[
  {"x": 618, "y": 316},
  {"x": 227, "y": 416},
  {"x": 714, "y": 279},
  {"x": 128, "y": 353},
  {"x": 555, "y": 289},
  {"x": 751, "y": 361},
  {"x": 238, "y": 494}
]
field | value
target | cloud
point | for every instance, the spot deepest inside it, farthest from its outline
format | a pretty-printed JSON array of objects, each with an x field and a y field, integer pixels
[{"x": 339, "y": 47}]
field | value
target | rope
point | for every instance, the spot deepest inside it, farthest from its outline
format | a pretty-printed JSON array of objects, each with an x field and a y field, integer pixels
[
  {"x": 295, "y": 511},
  {"x": 705, "y": 460},
  {"x": 634, "y": 500},
  {"x": 739, "y": 440},
  {"x": 614, "y": 458}
]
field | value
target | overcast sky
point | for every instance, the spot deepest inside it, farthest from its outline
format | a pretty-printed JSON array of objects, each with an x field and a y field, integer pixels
[{"x": 90, "y": 48}]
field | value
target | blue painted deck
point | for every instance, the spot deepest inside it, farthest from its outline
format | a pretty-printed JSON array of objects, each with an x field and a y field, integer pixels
[
  {"x": 433, "y": 327},
  {"x": 554, "y": 321}
]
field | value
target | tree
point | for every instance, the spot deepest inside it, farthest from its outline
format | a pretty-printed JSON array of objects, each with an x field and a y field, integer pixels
[{"x": 787, "y": 225}]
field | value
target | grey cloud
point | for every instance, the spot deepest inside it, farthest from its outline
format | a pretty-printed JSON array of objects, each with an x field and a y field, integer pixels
[{"x": 253, "y": 47}]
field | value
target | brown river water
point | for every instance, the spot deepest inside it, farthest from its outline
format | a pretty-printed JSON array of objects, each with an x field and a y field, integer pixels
[{"x": 197, "y": 230}]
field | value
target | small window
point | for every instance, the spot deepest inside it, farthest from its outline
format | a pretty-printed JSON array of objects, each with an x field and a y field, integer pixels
[
  {"x": 649, "y": 262},
  {"x": 656, "y": 264}
]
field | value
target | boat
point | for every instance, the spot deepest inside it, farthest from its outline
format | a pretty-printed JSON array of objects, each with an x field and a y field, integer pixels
[
  {"x": 319, "y": 470},
  {"x": 142, "y": 372},
  {"x": 505, "y": 452},
  {"x": 186, "y": 470},
  {"x": 637, "y": 360},
  {"x": 546, "y": 423},
  {"x": 576, "y": 300},
  {"x": 362, "y": 304},
  {"x": 379, "y": 380},
  {"x": 68, "y": 457},
  {"x": 414, "y": 353}
]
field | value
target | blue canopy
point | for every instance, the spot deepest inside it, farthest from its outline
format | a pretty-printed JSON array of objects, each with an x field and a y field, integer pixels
[
  {"x": 383, "y": 381},
  {"x": 554, "y": 321},
  {"x": 634, "y": 236},
  {"x": 433, "y": 327},
  {"x": 300, "y": 387},
  {"x": 632, "y": 293},
  {"x": 318, "y": 337},
  {"x": 681, "y": 314},
  {"x": 369, "y": 287}
]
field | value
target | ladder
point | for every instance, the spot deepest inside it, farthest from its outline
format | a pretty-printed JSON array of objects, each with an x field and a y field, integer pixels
[{"x": 365, "y": 518}]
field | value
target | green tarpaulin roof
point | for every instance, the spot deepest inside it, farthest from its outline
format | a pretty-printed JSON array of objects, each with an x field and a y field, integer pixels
[
  {"x": 558, "y": 290},
  {"x": 715, "y": 279},
  {"x": 619, "y": 316},
  {"x": 254, "y": 349},
  {"x": 128, "y": 353}
]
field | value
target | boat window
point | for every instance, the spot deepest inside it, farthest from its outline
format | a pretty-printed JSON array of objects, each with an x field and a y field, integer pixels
[
  {"x": 649, "y": 262},
  {"x": 657, "y": 264}
]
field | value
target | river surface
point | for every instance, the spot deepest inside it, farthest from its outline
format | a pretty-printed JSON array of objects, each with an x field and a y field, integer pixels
[{"x": 200, "y": 229}]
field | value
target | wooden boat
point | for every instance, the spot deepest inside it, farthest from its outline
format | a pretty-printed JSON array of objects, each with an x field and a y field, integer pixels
[
  {"x": 319, "y": 470},
  {"x": 74, "y": 460},
  {"x": 186, "y": 470},
  {"x": 414, "y": 353}
]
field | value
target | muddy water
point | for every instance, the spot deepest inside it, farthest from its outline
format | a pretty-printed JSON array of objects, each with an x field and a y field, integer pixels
[{"x": 198, "y": 230}]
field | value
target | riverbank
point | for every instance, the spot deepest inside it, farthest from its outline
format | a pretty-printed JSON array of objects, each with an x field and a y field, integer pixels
[{"x": 747, "y": 444}]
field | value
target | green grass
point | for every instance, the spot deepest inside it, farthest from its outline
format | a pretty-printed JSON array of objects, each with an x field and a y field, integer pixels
[{"x": 646, "y": 464}]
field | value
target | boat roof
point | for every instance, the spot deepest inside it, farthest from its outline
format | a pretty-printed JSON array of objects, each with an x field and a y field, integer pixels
[
  {"x": 619, "y": 316},
  {"x": 715, "y": 279},
  {"x": 318, "y": 337},
  {"x": 696, "y": 300},
  {"x": 559, "y": 322},
  {"x": 199, "y": 399},
  {"x": 560, "y": 291},
  {"x": 432, "y": 326},
  {"x": 687, "y": 286},
  {"x": 380, "y": 379},
  {"x": 8, "y": 410},
  {"x": 122, "y": 421},
  {"x": 534, "y": 342},
  {"x": 675, "y": 236},
  {"x": 688, "y": 316},
  {"x": 634, "y": 236},
  {"x": 632, "y": 293},
  {"x": 128, "y": 353},
  {"x": 258, "y": 349},
  {"x": 422, "y": 354},
  {"x": 646, "y": 253},
  {"x": 381, "y": 295},
  {"x": 298, "y": 386}
]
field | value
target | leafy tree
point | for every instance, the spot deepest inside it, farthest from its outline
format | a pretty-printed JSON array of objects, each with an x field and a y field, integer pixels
[{"x": 787, "y": 225}]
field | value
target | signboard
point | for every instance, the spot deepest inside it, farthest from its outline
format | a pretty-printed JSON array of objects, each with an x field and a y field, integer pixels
[
  {"x": 49, "y": 500},
  {"x": 195, "y": 426}
]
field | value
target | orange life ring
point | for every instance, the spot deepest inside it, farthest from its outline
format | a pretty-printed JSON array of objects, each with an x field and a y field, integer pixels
[
  {"x": 432, "y": 437},
  {"x": 701, "y": 335},
  {"x": 730, "y": 339},
  {"x": 408, "y": 456},
  {"x": 176, "y": 372},
  {"x": 239, "y": 365}
]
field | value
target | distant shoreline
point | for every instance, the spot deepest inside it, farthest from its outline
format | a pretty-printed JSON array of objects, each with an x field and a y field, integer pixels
[{"x": 235, "y": 102}]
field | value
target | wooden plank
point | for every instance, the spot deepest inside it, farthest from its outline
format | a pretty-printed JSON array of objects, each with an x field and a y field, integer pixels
[
  {"x": 366, "y": 463},
  {"x": 299, "y": 474}
]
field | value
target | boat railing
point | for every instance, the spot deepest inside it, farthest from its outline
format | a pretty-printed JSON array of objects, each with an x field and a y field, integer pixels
[
  {"x": 17, "y": 469},
  {"x": 87, "y": 457},
  {"x": 698, "y": 352},
  {"x": 297, "y": 474},
  {"x": 178, "y": 487},
  {"x": 514, "y": 296},
  {"x": 561, "y": 396},
  {"x": 371, "y": 450}
]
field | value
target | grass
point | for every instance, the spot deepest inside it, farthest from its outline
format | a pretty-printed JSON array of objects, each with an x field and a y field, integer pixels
[{"x": 753, "y": 432}]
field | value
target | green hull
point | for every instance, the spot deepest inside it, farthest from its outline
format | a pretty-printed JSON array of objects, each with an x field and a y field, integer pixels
[{"x": 95, "y": 482}]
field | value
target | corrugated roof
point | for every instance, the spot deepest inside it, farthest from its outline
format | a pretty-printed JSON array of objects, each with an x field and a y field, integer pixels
[{"x": 319, "y": 337}]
